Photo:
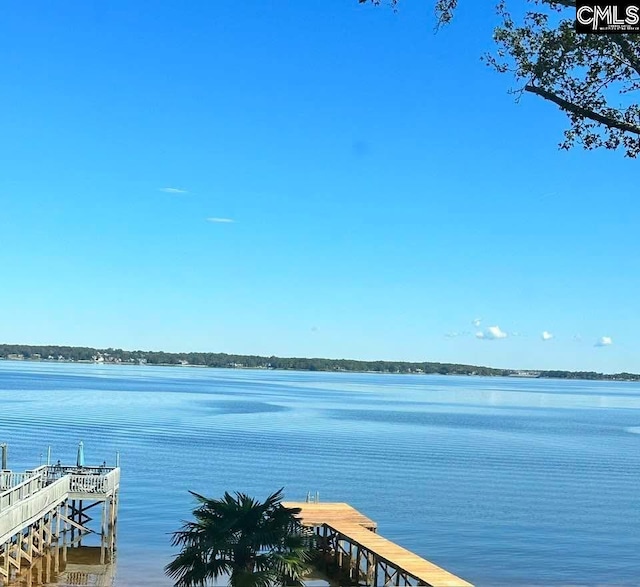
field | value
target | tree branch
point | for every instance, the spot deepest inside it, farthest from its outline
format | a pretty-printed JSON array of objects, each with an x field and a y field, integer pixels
[
  {"x": 625, "y": 47},
  {"x": 567, "y": 3},
  {"x": 627, "y": 51},
  {"x": 584, "y": 112}
]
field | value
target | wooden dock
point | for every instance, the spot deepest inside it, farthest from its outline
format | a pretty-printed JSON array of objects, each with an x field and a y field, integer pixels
[
  {"x": 349, "y": 541},
  {"x": 48, "y": 507}
]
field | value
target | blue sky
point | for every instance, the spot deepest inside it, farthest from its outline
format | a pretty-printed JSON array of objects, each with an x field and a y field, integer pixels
[{"x": 384, "y": 189}]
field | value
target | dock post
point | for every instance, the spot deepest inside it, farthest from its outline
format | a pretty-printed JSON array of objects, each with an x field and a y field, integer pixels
[
  {"x": 372, "y": 569},
  {"x": 116, "y": 495},
  {"x": 56, "y": 559},
  {"x": 19, "y": 550},
  {"x": 57, "y": 514},
  {"x": 73, "y": 515},
  {"x": 64, "y": 532},
  {"x": 7, "y": 549},
  {"x": 31, "y": 531},
  {"x": 103, "y": 532},
  {"x": 358, "y": 563},
  {"x": 80, "y": 521}
]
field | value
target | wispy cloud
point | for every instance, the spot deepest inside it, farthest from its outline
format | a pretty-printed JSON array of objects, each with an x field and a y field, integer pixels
[
  {"x": 546, "y": 335},
  {"x": 221, "y": 220},
  {"x": 604, "y": 341},
  {"x": 173, "y": 191},
  {"x": 456, "y": 333},
  {"x": 491, "y": 333},
  {"x": 477, "y": 322}
]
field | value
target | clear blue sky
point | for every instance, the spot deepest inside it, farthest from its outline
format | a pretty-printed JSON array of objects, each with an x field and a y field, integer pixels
[{"x": 383, "y": 187}]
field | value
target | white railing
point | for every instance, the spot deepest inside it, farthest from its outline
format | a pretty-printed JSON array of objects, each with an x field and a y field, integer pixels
[
  {"x": 87, "y": 484},
  {"x": 30, "y": 485},
  {"x": 55, "y": 472},
  {"x": 33, "y": 493},
  {"x": 93, "y": 482},
  {"x": 9, "y": 479},
  {"x": 113, "y": 479},
  {"x": 32, "y": 507},
  {"x": 15, "y": 487}
]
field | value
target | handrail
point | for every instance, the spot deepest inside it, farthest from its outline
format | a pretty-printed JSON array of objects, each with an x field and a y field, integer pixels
[
  {"x": 58, "y": 471},
  {"x": 30, "y": 507},
  {"x": 81, "y": 483},
  {"x": 24, "y": 489},
  {"x": 9, "y": 479},
  {"x": 15, "y": 487}
]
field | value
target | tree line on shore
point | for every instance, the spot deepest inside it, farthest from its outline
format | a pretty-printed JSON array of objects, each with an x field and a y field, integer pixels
[{"x": 224, "y": 360}]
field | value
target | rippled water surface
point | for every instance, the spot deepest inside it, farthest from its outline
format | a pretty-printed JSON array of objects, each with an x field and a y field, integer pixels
[{"x": 503, "y": 481}]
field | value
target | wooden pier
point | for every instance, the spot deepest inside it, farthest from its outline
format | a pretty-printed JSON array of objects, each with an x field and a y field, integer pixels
[
  {"x": 48, "y": 509},
  {"x": 348, "y": 541}
]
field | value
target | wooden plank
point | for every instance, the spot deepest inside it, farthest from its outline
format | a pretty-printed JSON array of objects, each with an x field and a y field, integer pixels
[
  {"x": 79, "y": 526},
  {"x": 357, "y": 529},
  {"x": 399, "y": 557},
  {"x": 317, "y": 514}
]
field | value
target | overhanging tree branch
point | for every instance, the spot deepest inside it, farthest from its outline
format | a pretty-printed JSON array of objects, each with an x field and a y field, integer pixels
[
  {"x": 583, "y": 112},
  {"x": 567, "y": 3},
  {"x": 593, "y": 79}
]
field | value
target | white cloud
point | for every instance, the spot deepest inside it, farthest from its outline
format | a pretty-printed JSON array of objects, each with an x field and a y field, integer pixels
[
  {"x": 173, "y": 191},
  {"x": 221, "y": 220},
  {"x": 491, "y": 333},
  {"x": 604, "y": 341},
  {"x": 477, "y": 322},
  {"x": 546, "y": 335},
  {"x": 452, "y": 334}
]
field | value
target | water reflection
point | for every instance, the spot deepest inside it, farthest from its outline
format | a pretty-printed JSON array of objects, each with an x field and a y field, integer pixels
[{"x": 63, "y": 566}]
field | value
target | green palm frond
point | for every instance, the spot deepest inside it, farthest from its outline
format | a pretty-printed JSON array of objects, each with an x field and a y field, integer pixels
[{"x": 258, "y": 544}]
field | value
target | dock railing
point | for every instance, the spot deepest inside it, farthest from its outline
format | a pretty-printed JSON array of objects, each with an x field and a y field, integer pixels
[
  {"x": 26, "y": 488},
  {"x": 15, "y": 487},
  {"x": 94, "y": 482},
  {"x": 9, "y": 479},
  {"x": 57, "y": 471},
  {"x": 30, "y": 506}
]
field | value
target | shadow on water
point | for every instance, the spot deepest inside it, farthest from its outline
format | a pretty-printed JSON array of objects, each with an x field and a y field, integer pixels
[{"x": 65, "y": 567}]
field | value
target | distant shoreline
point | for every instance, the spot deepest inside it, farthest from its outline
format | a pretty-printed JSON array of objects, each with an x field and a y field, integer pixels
[{"x": 110, "y": 356}]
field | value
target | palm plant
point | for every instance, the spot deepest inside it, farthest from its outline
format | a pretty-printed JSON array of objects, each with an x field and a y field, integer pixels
[{"x": 257, "y": 544}]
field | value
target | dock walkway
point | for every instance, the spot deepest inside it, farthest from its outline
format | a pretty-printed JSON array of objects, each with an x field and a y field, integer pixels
[
  {"x": 351, "y": 540},
  {"x": 40, "y": 506}
]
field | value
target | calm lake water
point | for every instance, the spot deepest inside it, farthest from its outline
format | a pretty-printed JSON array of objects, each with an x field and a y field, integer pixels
[{"x": 503, "y": 481}]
